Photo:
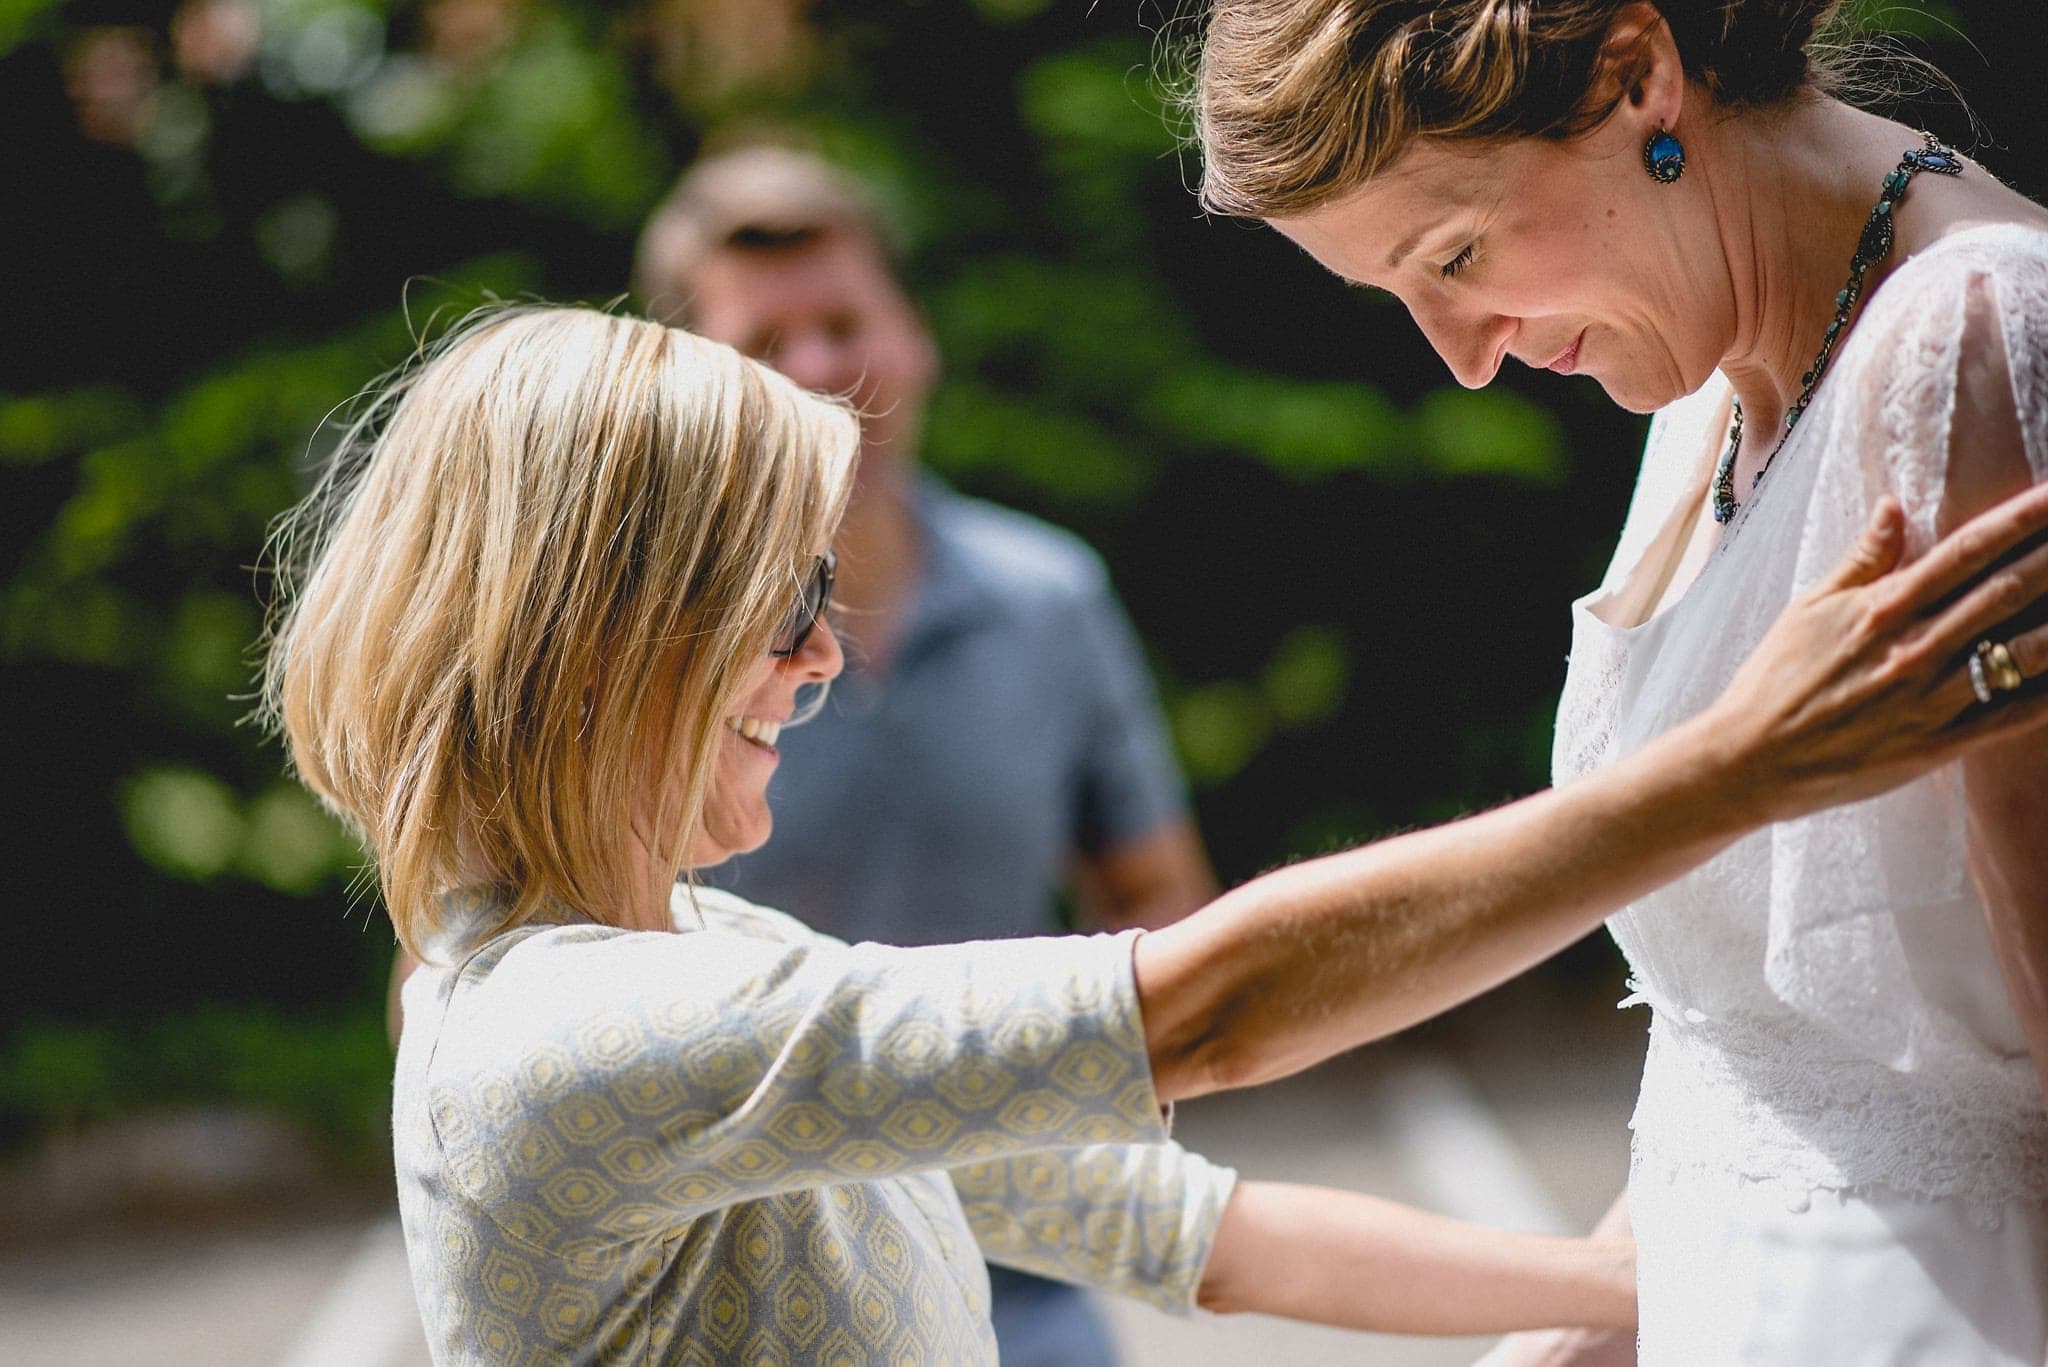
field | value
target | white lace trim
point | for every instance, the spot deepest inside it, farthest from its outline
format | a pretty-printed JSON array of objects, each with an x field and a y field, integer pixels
[{"x": 1745, "y": 1099}]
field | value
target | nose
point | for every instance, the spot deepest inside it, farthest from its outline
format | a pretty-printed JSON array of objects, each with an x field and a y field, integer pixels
[
  {"x": 820, "y": 658},
  {"x": 1471, "y": 346},
  {"x": 819, "y": 363}
]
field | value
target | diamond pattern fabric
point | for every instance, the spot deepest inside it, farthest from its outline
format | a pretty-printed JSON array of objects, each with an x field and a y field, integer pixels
[{"x": 749, "y": 1142}]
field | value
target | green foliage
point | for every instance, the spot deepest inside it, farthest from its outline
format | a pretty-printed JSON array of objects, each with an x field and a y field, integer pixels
[
  {"x": 1304, "y": 430},
  {"x": 185, "y": 822},
  {"x": 329, "y": 1071},
  {"x": 1920, "y": 19},
  {"x": 1220, "y": 727},
  {"x": 1490, "y": 432},
  {"x": 191, "y": 825},
  {"x": 24, "y": 19}
]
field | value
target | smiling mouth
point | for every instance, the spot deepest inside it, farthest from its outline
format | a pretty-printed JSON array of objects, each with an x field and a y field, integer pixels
[
  {"x": 758, "y": 731},
  {"x": 1566, "y": 361}
]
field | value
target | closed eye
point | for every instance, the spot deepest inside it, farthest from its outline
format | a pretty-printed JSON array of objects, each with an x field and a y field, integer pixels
[{"x": 1458, "y": 262}]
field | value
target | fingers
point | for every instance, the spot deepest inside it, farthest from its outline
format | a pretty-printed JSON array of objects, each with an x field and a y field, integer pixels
[
  {"x": 1876, "y": 551},
  {"x": 1955, "y": 697},
  {"x": 1967, "y": 620},
  {"x": 2030, "y": 651},
  {"x": 1967, "y": 550},
  {"x": 1995, "y": 725}
]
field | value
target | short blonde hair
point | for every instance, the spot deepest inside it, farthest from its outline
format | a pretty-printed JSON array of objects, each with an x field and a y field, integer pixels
[
  {"x": 761, "y": 197},
  {"x": 1296, "y": 102},
  {"x": 554, "y": 548}
]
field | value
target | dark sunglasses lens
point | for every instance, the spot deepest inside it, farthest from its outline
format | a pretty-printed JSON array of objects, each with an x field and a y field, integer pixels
[{"x": 805, "y": 612}]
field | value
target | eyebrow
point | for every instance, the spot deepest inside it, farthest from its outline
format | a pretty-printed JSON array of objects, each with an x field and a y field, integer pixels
[{"x": 1406, "y": 246}]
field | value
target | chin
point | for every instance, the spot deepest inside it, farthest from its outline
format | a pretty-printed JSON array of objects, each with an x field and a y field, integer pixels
[
  {"x": 715, "y": 846},
  {"x": 1636, "y": 397},
  {"x": 751, "y": 838}
]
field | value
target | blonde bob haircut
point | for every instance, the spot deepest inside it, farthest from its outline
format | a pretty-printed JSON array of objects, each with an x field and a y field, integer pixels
[{"x": 548, "y": 559}]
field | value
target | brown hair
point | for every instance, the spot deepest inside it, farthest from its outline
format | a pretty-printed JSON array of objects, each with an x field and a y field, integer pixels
[
  {"x": 552, "y": 550},
  {"x": 1298, "y": 101},
  {"x": 765, "y": 197}
]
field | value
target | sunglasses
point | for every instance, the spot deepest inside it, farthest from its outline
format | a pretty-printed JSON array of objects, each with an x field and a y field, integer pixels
[{"x": 808, "y": 609}]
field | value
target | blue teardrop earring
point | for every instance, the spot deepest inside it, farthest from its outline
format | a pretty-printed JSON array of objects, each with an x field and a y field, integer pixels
[{"x": 1664, "y": 157}]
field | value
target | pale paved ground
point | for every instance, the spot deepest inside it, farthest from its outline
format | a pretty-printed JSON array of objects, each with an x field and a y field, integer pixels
[{"x": 329, "y": 1291}]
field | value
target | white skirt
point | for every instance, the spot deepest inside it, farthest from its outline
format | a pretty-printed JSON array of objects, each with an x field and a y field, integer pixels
[{"x": 1733, "y": 1271}]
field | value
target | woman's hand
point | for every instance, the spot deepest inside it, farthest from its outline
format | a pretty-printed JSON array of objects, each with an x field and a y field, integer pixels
[
  {"x": 1574, "y": 1347},
  {"x": 1864, "y": 682},
  {"x": 1860, "y": 686}
]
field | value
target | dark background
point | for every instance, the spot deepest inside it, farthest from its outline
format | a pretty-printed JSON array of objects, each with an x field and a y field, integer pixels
[{"x": 221, "y": 220}]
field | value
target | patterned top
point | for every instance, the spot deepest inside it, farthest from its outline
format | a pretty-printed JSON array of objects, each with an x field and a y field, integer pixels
[{"x": 749, "y": 1142}]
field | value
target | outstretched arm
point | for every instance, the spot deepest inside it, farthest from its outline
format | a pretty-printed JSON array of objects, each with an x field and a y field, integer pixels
[
  {"x": 1574, "y": 1347},
  {"x": 1858, "y": 688},
  {"x": 1358, "y": 1262}
]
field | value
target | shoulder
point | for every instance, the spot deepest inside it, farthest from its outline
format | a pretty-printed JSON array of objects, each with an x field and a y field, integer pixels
[
  {"x": 530, "y": 991},
  {"x": 1013, "y": 555},
  {"x": 1927, "y": 299},
  {"x": 731, "y": 914},
  {"x": 1944, "y": 393}
]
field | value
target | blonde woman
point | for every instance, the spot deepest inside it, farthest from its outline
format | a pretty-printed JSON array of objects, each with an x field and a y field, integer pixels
[{"x": 544, "y": 628}]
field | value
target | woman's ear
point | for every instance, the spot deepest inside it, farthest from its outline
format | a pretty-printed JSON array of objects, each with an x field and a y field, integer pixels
[{"x": 1640, "y": 73}]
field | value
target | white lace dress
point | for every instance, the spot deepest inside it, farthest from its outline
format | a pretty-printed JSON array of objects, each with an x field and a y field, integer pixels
[{"x": 1841, "y": 1153}]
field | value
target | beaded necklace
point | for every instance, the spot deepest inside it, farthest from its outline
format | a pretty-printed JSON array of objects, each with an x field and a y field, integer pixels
[{"x": 1871, "y": 248}]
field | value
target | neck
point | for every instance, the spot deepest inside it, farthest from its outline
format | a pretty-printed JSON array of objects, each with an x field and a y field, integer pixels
[
  {"x": 1792, "y": 193},
  {"x": 649, "y": 910},
  {"x": 880, "y": 555}
]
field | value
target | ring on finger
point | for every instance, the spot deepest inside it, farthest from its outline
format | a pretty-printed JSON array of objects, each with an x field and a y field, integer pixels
[
  {"x": 2000, "y": 667},
  {"x": 1993, "y": 671},
  {"x": 1979, "y": 683}
]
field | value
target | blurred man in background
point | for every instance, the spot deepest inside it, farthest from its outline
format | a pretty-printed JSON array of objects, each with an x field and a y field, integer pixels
[{"x": 994, "y": 745}]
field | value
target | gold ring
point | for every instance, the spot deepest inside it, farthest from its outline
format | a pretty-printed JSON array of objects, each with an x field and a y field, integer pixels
[{"x": 2000, "y": 673}]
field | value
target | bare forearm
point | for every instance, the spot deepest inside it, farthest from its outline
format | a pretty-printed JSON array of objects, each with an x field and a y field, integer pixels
[
  {"x": 1346, "y": 1259},
  {"x": 1314, "y": 959}
]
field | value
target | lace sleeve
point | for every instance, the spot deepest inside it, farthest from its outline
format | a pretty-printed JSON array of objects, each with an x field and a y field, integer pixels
[
  {"x": 1852, "y": 888},
  {"x": 1953, "y": 399}
]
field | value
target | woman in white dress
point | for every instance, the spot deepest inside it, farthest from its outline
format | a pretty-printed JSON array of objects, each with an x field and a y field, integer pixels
[{"x": 1841, "y": 1151}]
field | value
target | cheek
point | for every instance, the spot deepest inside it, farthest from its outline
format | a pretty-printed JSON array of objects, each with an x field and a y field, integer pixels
[{"x": 737, "y": 802}]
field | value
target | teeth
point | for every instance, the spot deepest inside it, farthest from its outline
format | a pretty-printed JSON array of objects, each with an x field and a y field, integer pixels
[{"x": 757, "y": 729}]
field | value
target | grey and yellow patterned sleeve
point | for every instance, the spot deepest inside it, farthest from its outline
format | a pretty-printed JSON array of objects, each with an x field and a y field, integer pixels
[
  {"x": 588, "y": 1077},
  {"x": 1136, "y": 1219}
]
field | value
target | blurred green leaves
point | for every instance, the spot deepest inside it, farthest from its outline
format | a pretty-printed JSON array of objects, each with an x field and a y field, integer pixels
[
  {"x": 191, "y": 825},
  {"x": 184, "y": 821},
  {"x": 1219, "y": 727},
  {"x": 1099, "y": 100},
  {"x": 552, "y": 124},
  {"x": 1492, "y": 433},
  {"x": 1921, "y": 18},
  {"x": 22, "y": 19},
  {"x": 329, "y": 1071},
  {"x": 1300, "y": 428},
  {"x": 40, "y": 427}
]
